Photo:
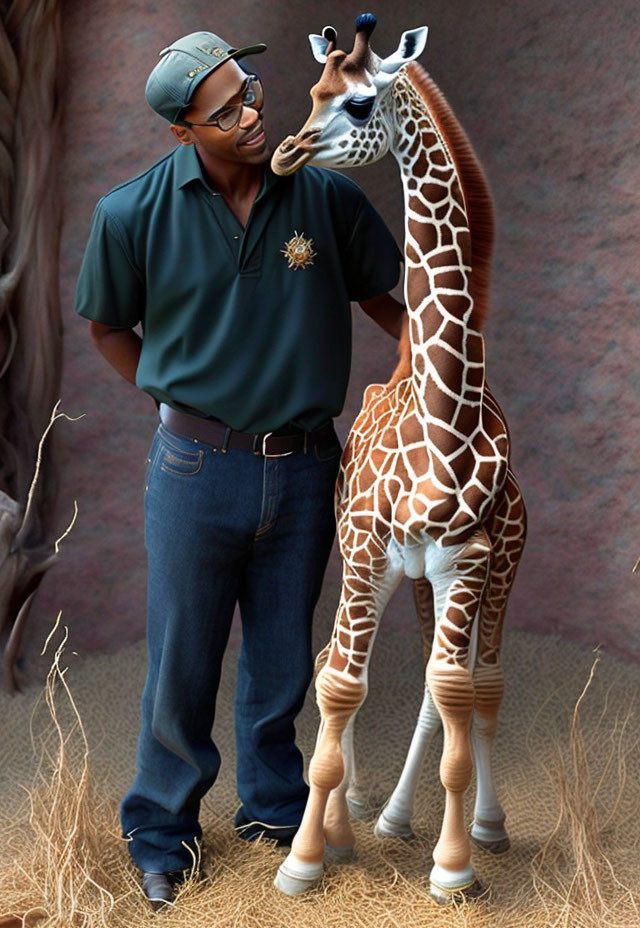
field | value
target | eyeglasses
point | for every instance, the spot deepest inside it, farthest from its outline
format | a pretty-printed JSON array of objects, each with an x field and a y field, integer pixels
[{"x": 229, "y": 115}]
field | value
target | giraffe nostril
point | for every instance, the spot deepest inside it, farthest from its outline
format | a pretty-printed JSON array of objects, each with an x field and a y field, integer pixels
[{"x": 310, "y": 134}]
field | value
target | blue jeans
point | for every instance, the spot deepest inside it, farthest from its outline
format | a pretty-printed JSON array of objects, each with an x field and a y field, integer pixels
[{"x": 220, "y": 529}]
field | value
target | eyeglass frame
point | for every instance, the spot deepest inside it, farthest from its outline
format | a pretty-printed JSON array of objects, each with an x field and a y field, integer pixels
[{"x": 214, "y": 123}]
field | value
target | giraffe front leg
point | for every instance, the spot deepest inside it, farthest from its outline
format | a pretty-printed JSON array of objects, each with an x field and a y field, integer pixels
[
  {"x": 339, "y": 695},
  {"x": 459, "y": 575},
  {"x": 341, "y": 687}
]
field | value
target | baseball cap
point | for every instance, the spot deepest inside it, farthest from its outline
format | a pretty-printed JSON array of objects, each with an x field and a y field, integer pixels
[{"x": 183, "y": 65}]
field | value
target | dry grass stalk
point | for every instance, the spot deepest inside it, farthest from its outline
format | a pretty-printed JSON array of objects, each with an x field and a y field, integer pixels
[
  {"x": 65, "y": 870},
  {"x": 573, "y": 874}
]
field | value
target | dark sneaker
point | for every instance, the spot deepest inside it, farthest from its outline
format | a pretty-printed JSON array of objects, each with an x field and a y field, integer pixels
[{"x": 158, "y": 888}]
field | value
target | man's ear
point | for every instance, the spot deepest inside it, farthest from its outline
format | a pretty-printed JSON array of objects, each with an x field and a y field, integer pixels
[{"x": 182, "y": 135}]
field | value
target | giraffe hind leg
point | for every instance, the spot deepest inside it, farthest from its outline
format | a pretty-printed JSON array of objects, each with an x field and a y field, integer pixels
[
  {"x": 506, "y": 530},
  {"x": 395, "y": 818}
]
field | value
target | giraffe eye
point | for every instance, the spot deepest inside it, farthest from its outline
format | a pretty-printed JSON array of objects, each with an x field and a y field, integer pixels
[{"x": 359, "y": 108}]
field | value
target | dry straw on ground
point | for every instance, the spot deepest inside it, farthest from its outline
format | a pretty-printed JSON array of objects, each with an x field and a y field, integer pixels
[{"x": 570, "y": 801}]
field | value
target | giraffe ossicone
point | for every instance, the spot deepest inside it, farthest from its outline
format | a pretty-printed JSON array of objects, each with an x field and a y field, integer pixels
[{"x": 425, "y": 487}]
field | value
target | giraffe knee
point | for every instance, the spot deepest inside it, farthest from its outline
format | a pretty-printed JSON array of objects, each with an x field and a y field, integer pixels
[
  {"x": 451, "y": 689},
  {"x": 338, "y": 697}
]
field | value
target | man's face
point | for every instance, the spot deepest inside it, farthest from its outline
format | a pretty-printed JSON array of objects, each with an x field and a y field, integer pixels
[{"x": 245, "y": 143}]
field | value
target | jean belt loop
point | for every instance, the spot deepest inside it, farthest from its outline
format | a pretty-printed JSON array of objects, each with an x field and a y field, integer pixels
[
  {"x": 256, "y": 443},
  {"x": 225, "y": 443},
  {"x": 306, "y": 436}
]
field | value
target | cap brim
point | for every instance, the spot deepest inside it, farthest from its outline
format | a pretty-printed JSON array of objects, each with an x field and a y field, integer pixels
[{"x": 249, "y": 50}]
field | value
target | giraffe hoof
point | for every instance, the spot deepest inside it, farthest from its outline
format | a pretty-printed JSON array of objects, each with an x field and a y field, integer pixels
[
  {"x": 494, "y": 840},
  {"x": 337, "y": 855},
  {"x": 297, "y": 876},
  {"x": 444, "y": 896},
  {"x": 387, "y": 828},
  {"x": 357, "y": 808},
  {"x": 501, "y": 846}
]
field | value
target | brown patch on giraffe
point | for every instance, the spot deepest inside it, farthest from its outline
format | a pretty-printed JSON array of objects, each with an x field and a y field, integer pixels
[
  {"x": 390, "y": 438},
  {"x": 474, "y": 497},
  {"x": 441, "y": 473},
  {"x": 421, "y": 165},
  {"x": 456, "y": 304},
  {"x": 434, "y": 193},
  {"x": 464, "y": 465},
  {"x": 442, "y": 438},
  {"x": 457, "y": 219},
  {"x": 452, "y": 333},
  {"x": 441, "y": 405},
  {"x": 377, "y": 458},
  {"x": 475, "y": 348},
  {"x": 450, "y": 368},
  {"x": 482, "y": 445},
  {"x": 463, "y": 597},
  {"x": 447, "y": 258},
  {"x": 412, "y": 254},
  {"x": 417, "y": 284},
  {"x": 467, "y": 419},
  {"x": 450, "y": 280},
  {"x": 411, "y": 429},
  {"x": 475, "y": 378},
  {"x": 417, "y": 459},
  {"x": 438, "y": 158}
]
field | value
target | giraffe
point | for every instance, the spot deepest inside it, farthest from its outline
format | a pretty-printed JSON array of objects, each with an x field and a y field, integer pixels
[{"x": 425, "y": 487}]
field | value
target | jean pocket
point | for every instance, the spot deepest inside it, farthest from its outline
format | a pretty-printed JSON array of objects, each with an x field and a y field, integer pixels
[{"x": 176, "y": 459}]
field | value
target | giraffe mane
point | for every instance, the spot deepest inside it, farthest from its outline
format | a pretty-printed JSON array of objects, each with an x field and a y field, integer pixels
[{"x": 475, "y": 189}]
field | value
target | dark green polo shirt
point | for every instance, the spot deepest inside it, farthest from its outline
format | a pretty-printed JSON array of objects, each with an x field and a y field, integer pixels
[{"x": 229, "y": 328}]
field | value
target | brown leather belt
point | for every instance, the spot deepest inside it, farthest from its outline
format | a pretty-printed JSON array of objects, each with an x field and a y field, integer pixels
[{"x": 218, "y": 435}]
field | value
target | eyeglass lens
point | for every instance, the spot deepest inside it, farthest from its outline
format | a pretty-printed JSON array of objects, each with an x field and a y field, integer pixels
[{"x": 252, "y": 96}]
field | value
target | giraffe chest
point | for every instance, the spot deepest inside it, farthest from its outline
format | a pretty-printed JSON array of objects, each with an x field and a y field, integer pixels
[{"x": 395, "y": 483}]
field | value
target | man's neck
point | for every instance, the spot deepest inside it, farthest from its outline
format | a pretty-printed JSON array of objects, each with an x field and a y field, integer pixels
[
  {"x": 233, "y": 181},
  {"x": 238, "y": 184}
]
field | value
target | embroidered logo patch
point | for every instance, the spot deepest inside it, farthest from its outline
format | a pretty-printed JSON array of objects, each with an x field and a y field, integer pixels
[{"x": 299, "y": 251}]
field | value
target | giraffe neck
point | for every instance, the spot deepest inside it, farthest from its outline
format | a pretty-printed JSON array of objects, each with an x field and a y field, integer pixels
[{"x": 445, "y": 310}]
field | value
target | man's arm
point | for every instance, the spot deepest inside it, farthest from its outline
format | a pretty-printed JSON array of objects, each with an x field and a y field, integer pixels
[
  {"x": 387, "y": 312},
  {"x": 120, "y": 347}
]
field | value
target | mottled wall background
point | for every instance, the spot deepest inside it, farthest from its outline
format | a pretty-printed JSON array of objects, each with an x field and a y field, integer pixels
[{"x": 548, "y": 93}]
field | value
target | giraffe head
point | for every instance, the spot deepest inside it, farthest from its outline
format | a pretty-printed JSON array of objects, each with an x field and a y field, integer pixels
[{"x": 351, "y": 121}]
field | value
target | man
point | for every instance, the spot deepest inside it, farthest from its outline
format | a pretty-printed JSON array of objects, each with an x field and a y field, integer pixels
[{"x": 241, "y": 282}]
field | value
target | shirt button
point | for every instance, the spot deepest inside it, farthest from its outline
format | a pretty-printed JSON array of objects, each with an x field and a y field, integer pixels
[{"x": 236, "y": 237}]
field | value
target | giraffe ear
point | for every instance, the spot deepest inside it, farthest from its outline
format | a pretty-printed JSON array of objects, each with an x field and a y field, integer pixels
[
  {"x": 319, "y": 47},
  {"x": 411, "y": 46}
]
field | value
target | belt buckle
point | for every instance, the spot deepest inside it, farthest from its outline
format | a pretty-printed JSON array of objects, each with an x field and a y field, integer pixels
[{"x": 284, "y": 454}]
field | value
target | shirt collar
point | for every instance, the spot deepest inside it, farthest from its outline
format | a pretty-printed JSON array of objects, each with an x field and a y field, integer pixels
[{"x": 188, "y": 169}]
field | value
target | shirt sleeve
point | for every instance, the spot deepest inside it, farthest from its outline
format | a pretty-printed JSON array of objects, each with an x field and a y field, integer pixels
[
  {"x": 372, "y": 264},
  {"x": 110, "y": 287}
]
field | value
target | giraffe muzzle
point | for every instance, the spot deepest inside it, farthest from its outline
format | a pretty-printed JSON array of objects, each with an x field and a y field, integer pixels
[{"x": 295, "y": 151}]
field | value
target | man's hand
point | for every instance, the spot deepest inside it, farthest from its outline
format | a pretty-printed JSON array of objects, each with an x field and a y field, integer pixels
[
  {"x": 120, "y": 347},
  {"x": 387, "y": 312}
]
